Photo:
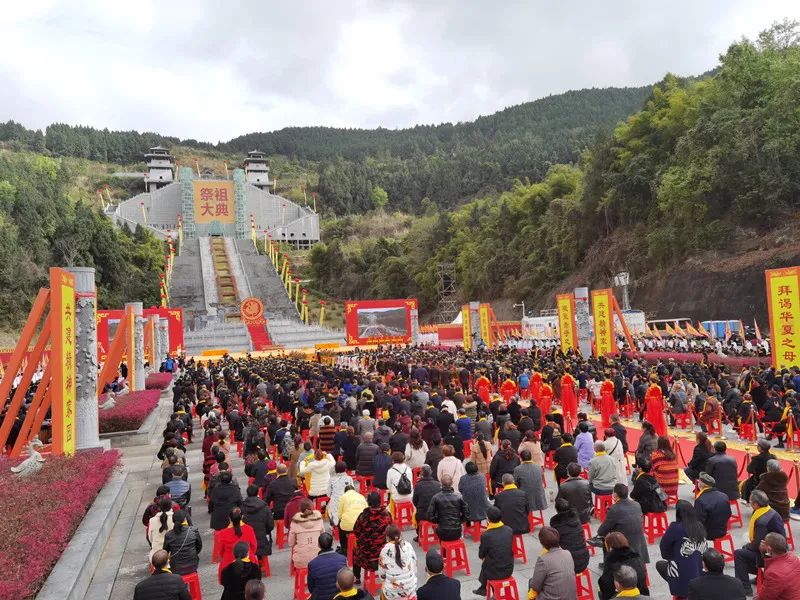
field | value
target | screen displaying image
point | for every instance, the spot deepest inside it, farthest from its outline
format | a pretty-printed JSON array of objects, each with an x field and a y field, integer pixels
[{"x": 381, "y": 322}]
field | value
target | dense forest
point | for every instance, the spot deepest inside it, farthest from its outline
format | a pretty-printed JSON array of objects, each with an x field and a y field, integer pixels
[
  {"x": 441, "y": 163},
  {"x": 701, "y": 159},
  {"x": 41, "y": 227}
]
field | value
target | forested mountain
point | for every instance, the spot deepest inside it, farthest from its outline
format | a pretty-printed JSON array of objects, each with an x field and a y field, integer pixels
[
  {"x": 40, "y": 226},
  {"x": 705, "y": 163},
  {"x": 444, "y": 163}
]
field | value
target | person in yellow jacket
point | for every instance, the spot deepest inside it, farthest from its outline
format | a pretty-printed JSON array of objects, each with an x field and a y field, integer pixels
[{"x": 351, "y": 505}]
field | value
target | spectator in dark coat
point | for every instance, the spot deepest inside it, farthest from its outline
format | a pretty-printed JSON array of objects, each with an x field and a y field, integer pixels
[
  {"x": 439, "y": 586},
  {"x": 577, "y": 492},
  {"x": 714, "y": 584},
  {"x": 381, "y": 466},
  {"x": 224, "y": 497},
  {"x": 434, "y": 455},
  {"x": 625, "y": 517},
  {"x": 280, "y": 491},
  {"x": 570, "y": 530},
  {"x": 257, "y": 514},
  {"x": 449, "y": 511},
  {"x": 257, "y": 469},
  {"x": 747, "y": 559},
  {"x": 184, "y": 544},
  {"x": 618, "y": 553},
  {"x": 645, "y": 489},
  {"x": 528, "y": 478},
  {"x": 365, "y": 455},
  {"x": 495, "y": 551},
  {"x": 513, "y": 504},
  {"x": 472, "y": 487},
  {"x": 504, "y": 462},
  {"x": 235, "y": 576},
  {"x": 757, "y": 467},
  {"x": 703, "y": 450},
  {"x": 161, "y": 584},
  {"x": 564, "y": 454},
  {"x": 424, "y": 491},
  {"x": 620, "y": 432},
  {"x": 712, "y": 507},
  {"x": 774, "y": 484},
  {"x": 681, "y": 549},
  {"x": 724, "y": 471},
  {"x": 322, "y": 570}
]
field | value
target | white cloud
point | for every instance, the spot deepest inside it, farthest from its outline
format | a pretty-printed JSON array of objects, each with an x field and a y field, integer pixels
[{"x": 213, "y": 70}]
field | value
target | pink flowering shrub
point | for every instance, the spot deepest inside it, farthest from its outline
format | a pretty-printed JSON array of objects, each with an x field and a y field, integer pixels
[
  {"x": 158, "y": 381},
  {"x": 130, "y": 411},
  {"x": 41, "y": 513}
]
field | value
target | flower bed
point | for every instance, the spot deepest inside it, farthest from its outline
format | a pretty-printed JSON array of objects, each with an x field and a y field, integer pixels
[
  {"x": 130, "y": 411},
  {"x": 41, "y": 513},
  {"x": 158, "y": 381}
]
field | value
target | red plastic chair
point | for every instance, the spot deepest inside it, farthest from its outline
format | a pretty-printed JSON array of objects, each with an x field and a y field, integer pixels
[
  {"x": 683, "y": 420},
  {"x": 427, "y": 535},
  {"x": 351, "y": 545},
  {"x": 318, "y": 502},
  {"x": 601, "y": 504},
  {"x": 300, "y": 588},
  {"x": 519, "y": 549},
  {"x": 587, "y": 532},
  {"x": 266, "y": 571},
  {"x": 467, "y": 448},
  {"x": 534, "y": 521},
  {"x": 583, "y": 585},
  {"x": 455, "y": 557},
  {"x": 403, "y": 514},
  {"x": 475, "y": 529},
  {"x": 726, "y": 553},
  {"x": 736, "y": 515},
  {"x": 371, "y": 582},
  {"x": 502, "y": 589},
  {"x": 655, "y": 525},
  {"x": 789, "y": 536},
  {"x": 193, "y": 582},
  {"x": 280, "y": 534}
]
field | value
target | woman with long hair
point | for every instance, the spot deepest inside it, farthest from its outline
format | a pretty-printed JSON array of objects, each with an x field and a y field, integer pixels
[
  {"x": 647, "y": 442},
  {"x": 665, "y": 466},
  {"x": 618, "y": 553},
  {"x": 235, "y": 576},
  {"x": 510, "y": 433},
  {"x": 505, "y": 461},
  {"x": 682, "y": 549},
  {"x": 481, "y": 454},
  {"x": 532, "y": 443},
  {"x": 397, "y": 567},
  {"x": 226, "y": 539},
  {"x": 416, "y": 449},
  {"x": 158, "y": 526}
]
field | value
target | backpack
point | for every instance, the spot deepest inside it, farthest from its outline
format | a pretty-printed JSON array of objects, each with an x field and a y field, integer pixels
[{"x": 404, "y": 484}]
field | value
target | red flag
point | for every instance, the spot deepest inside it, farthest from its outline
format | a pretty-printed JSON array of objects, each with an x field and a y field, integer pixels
[
  {"x": 727, "y": 331},
  {"x": 758, "y": 331}
]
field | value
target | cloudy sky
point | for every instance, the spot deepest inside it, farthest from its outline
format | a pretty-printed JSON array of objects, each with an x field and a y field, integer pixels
[{"x": 212, "y": 70}]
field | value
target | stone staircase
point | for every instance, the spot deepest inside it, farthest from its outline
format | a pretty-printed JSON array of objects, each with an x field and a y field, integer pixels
[
  {"x": 265, "y": 284},
  {"x": 215, "y": 335},
  {"x": 186, "y": 285}
]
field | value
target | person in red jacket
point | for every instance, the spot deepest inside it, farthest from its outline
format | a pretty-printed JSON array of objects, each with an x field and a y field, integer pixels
[
  {"x": 545, "y": 398},
  {"x": 781, "y": 570},
  {"x": 226, "y": 539},
  {"x": 508, "y": 389},
  {"x": 536, "y": 385},
  {"x": 483, "y": 387}
]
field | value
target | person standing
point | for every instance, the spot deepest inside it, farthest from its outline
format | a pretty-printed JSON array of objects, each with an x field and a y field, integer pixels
[
  {"x": 370, "y": 529},
  {"x": 183, "y": 543},
  {"x": 351, "y": 505},
  {"x": 654, "y": 406},
  {"x": 495, "y": 551}
]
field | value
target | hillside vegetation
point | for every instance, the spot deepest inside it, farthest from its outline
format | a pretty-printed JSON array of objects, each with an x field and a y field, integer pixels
[{"x": 700, "y": 161}]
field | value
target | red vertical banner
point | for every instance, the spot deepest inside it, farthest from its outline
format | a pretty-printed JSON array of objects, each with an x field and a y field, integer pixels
[
  {"x": 62, "y": 311},
  {"x": 565, "y": 303}
]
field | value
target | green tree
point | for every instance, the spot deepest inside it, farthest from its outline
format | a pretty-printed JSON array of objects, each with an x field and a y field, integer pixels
[{"x": 379, "y": 198}]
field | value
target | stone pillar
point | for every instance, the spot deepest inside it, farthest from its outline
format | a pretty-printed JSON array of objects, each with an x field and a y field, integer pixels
[
  {"x": 86, "y": 425},
  {"x": 164, "y": 326},
  {"x": 137, "y": 360}
]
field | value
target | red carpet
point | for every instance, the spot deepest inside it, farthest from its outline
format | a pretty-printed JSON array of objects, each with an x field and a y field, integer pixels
[{"x": 259, "y": 337}]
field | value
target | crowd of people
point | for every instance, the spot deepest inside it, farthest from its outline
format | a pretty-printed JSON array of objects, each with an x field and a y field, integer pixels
[{"x": 341, "y": 458}]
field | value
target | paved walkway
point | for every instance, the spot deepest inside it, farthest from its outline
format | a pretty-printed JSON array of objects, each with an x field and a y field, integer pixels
[{"x": 124, "y": 561}]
